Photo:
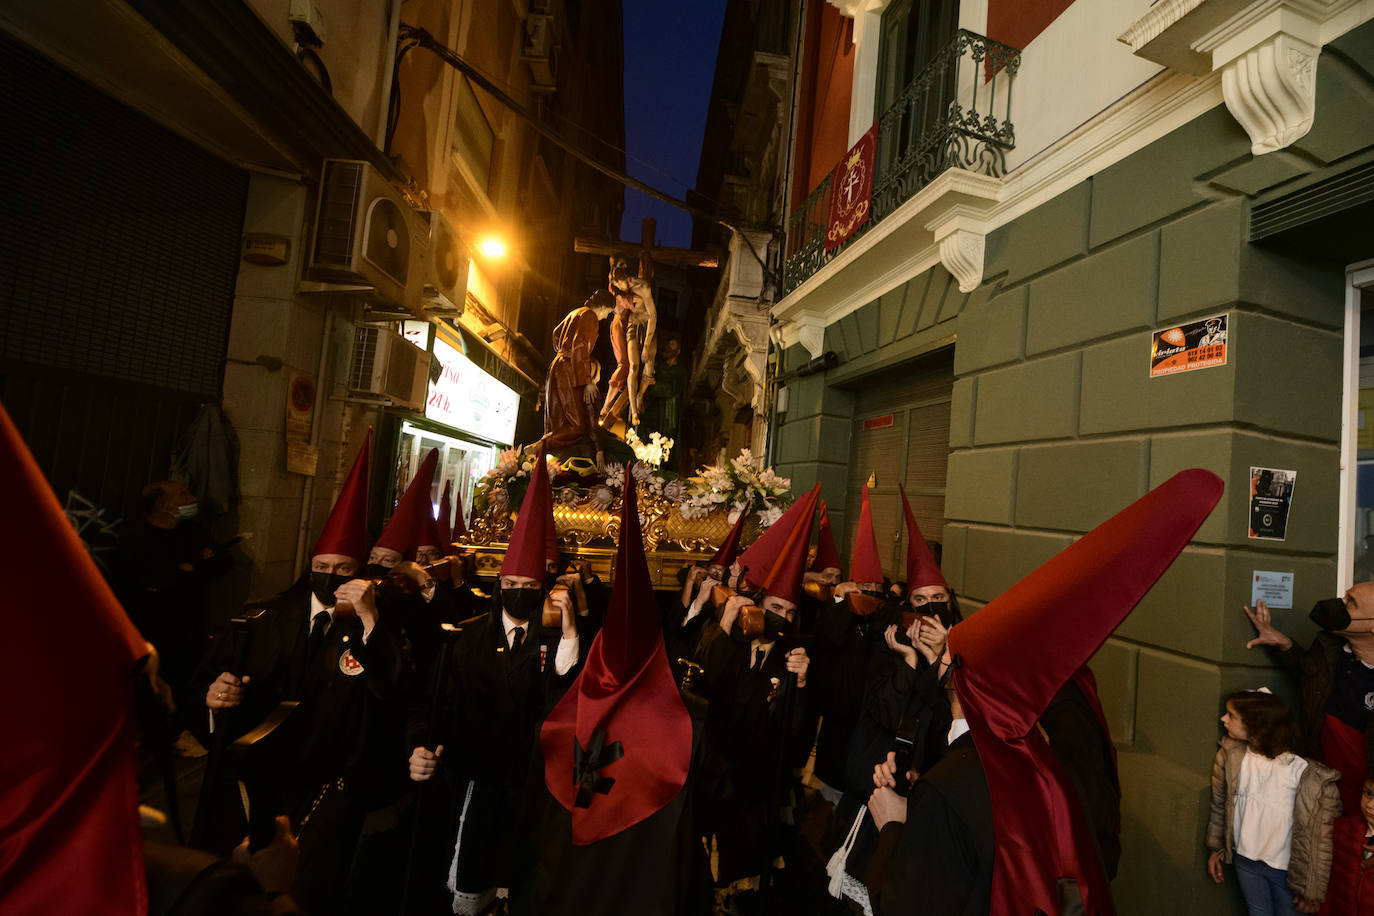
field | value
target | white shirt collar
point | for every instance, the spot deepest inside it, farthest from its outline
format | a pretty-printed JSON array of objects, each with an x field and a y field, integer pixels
[
  {"x": 510, "y": 623},
  {"x": 956, "y": 731},
  {"x": 767, "y": 648},
  {"x": 316, "y": 606}
]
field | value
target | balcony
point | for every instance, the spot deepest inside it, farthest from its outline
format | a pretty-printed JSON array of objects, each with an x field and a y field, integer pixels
[{"x": 954, "y": 115}]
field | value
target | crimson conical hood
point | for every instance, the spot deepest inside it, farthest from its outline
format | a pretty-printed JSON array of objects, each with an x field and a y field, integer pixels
[
  {"x": 758, "y": 559},
  {"x": 534, "y": 532},
  {"x": 618, "y": 745},
  {"x": 345, "y": 532},
  {"x": 921, "y": 568},
  {"x": 444, "y": 523},
  {"x": 864, "y": 565},
  {"x": 1017, "y": 652},
  {"x": 784, "y": 579},
  {"x": 729, "y": 548},
  {"x": 412, "y": 524},
  {"x": 827, "y": 557}
]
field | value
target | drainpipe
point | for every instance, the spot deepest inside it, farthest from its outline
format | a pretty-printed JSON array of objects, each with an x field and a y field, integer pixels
[
  {"x": 388, "y": 70},
  {"x": 308, "y": 493}
]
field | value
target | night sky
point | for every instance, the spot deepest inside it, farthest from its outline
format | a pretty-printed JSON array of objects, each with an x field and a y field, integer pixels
[{"x": 670, "y": 60}]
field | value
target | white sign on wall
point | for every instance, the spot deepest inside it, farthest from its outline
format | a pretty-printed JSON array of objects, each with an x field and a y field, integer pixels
[{"x": 469, "y": 399}]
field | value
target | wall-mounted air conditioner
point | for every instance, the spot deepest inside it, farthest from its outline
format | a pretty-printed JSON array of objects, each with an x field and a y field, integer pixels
[
  {"x": 366, "y": 236},
  {"x": 446, "y": 267},
  {"x": 386, "y": 365}
]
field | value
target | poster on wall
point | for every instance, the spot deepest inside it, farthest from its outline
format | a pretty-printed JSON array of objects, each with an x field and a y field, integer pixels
[
  {"x": 1197, "y": 344},
  {"x": 1271, "y": 497},
  {"x": 1273, "y": 588},
  {"x": 851, "y": 190}
]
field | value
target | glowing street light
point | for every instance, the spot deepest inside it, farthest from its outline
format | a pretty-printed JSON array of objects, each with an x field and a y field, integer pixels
[{"x": 492, "y": 247}]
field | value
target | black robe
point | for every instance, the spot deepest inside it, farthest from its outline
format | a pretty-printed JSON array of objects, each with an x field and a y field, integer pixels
[
  {"x": 332, "y": 759},
  {"x": 846, "y": 646},
  {"x": 939, "y": 863},
  {"x": 657, "y": 867},
  {"x": 491, "y": 703}
]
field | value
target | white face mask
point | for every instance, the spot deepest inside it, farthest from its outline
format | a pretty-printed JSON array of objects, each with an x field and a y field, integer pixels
[{"x": 190, "y": 510}]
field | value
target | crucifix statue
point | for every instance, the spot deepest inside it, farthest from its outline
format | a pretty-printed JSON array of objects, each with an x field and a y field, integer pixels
[{"x": 635, "y": 318}]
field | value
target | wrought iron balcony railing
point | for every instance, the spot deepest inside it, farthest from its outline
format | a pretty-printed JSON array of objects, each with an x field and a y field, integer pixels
[{"x": 955, "y": 114}]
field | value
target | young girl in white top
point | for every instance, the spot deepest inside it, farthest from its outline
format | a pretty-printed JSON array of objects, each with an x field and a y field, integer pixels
[{"x": 1272, "y": 811}]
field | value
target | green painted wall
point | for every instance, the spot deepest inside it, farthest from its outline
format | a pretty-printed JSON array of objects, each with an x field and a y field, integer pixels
[{"x": 1055, "y": 424}]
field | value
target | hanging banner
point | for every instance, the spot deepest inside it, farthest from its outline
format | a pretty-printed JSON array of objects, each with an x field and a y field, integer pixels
[
  {"x": 1198, "y": 344},
  {"x": 851, "y": 187},
  {"x": 1271, "y": 497}
]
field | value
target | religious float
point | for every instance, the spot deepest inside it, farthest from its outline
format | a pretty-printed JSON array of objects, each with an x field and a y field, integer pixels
[{"x": 684, "y": 519}]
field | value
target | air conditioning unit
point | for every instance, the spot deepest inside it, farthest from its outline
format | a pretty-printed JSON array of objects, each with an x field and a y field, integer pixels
[
  {"x": 538, "y": 51},
  {"x": 446, "y": 267},
  {"x": 386, "y": 365},
  {"x": 367, "y": 237}
]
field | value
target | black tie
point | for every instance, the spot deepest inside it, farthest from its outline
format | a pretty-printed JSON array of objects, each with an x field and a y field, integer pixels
[
  {"x": 316, "y": 640},
  {"x": 758, "y": 659},
  {"x": 517, "y": 638}
]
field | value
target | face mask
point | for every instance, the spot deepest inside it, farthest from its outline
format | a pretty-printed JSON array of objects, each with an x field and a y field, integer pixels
[
  {"x": 522, "y": 603},
  {"x": 377, "y": 571},
  {"x": 191, "y": 510},
  {"x": 1330, "y": 614},
  {"x": 322, "y": 585},
  {"x": 776, "y": 625},
  {"x": 938, "y": 609}
]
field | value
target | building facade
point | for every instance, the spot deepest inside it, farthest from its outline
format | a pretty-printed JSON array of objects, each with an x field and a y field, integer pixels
[
  {"x": 996, "y": 336},
  {"x": 191, "y": 247}
]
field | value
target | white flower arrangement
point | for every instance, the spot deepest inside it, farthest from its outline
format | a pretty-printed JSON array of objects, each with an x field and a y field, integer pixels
[
  {"x": 654, "y": 452},
  {"x": 744, "y": 483}
]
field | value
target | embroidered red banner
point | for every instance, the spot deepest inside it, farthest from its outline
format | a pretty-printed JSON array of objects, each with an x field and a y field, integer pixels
[{"x": 851, "y": 186}]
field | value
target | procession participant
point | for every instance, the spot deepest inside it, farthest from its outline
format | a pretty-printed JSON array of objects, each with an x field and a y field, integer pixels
[
  {"x": 684, "y": 625},
  {"x": 318, "y": 643},
  {"x": 757, "y": 688},
  {"x": 496, "y": 688},
  {"x": 614, "y": 788},
  {"x": 822, "y": 575},
  {"x": 849, "y": 637},
  {"x": 1009, "y": 661},
  {"x": 69, "y": 825}
]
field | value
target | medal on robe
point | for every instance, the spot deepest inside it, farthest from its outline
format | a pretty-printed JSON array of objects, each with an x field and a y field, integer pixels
[{"x": 349, "y": 665}]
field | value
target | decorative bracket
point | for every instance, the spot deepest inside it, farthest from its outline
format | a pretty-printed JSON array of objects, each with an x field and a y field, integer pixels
[
  {"x": 1266, "y": 51},
  {"x": 961, "y": 251}
]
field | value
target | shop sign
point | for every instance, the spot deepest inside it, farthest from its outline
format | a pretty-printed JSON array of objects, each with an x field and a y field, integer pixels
[
  {"x": 1197, "y": 344},
  {"x": 469, "y": 399},
  {"x": 878, "y": 422}
]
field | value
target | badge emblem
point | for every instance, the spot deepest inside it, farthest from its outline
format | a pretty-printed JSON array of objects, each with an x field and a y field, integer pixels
[
  {"x": 350, "y": 665},
  {"x": 1369, "y": 701}
]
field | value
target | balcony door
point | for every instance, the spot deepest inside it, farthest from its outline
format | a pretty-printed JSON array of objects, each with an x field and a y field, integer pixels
[{"x": 913, "y": 34}]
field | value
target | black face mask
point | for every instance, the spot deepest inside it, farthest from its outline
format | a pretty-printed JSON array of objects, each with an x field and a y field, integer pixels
[
  {"x": 377, "y": 571},
  {"x": 937, "y": 609},
  {"x": 775, "y": 625},
  {"x": 322, "y": 585},
  {"x": 1330, "y": 614},
  {"x": 522, "y": 603}
]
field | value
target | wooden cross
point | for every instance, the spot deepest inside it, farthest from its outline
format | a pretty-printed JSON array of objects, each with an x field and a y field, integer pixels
[{"x": 647, "y": 251}]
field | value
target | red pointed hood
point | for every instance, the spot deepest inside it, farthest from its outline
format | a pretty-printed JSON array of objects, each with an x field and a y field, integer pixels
[
  {"x": 444, "y": 523},
  {"x": 618, "y": 745},
  {"x": 345, "y": 532},
  {"x": 412, "y": 524},
  {"x": 1017, "y": 652},
  {"x": 864, "y": 565},
  {"x": 827, "y": 557},
  {"x": 68, "y": 792},
  {"x": 729, "y": 548},
  {"x": 784, "y": 579},
  {"x": 758, "y": 559},
  {"x": 534, "y": 531},
  {"x": 921, "y": 568}
]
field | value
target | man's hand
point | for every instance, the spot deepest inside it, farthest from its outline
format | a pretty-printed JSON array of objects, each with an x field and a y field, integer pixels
[
  {"x": 932, "y": 633},
  {"x": 1269, "y": 635},
  {"x": 731, "y": 611},
  {"x": 562, "y": 600},
  {"x": 844, "y": 588},
  {"x": 423, "y": 762},
  {"x": 583, "y": 566},
  {"x": 275, "y": 864},
  {"x": 885, "y": 773},
  {"x": 589, "y": 394},
  {"x": 797, "y": 663},
  {"x": 692, "y": 583},
  {"x": 887, "y": 807},
  {"x": 362, "y": 594},
  {"x": 573, "y": 583},
  {"x": 1214, "y": 866},
  {"x": 226, "y": 692},
  {"x": 908, "y": 653}
]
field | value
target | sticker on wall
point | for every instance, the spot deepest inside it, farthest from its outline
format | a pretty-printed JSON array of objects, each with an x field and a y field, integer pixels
[
  {"x": 1197, "y": 344},
  {"x": 1271, "y": 496},
  {"x": 1273, "y": 588}
]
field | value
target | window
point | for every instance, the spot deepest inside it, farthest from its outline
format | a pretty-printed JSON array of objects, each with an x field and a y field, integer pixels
[{"x": 473, "y": 138}]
